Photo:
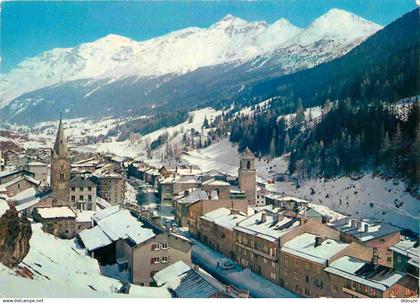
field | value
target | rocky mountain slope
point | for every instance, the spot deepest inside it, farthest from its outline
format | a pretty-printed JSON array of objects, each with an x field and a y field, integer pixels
[{"x": 185, "y": 68}]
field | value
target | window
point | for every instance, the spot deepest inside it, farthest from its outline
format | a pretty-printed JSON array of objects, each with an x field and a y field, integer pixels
[
  {"x": 89, "y": 188},
  {"x": 155, "y": 260},
  {"x": 273, "y": 264},
  {"x": 365, "y": 289},
  {"x": 334, "y": 288},
  {"x": 73, "y": 189},
  {"x": 286, "y": 258},
  {"x": 296, "y": 262},
  {"x": 353, "y": 285},
  {"x": 164, "y": 259},
  {"x": 81, "y": 197},
  {"x": 307, "y": 292},
  {"x": 265, "y": 260},
  {"x": 373, "y": 292},
  {"x": 307, "y": 279},
  {"x": 163, "y": 246},
  {"x": 154, "y": 246},
  {"x": 273, "y": 276},
  {"x": 375, "y": 249},
  {"x": 61, "y": 177},
  {"x": 382, "y": 240},
  {"x": 319, "y": 283},
  {"x": 296, "y": 275},
  {"x": 89, "y": 198},
  {"x": 388, "y": 259},
  {"x": 73, "y": 198}
]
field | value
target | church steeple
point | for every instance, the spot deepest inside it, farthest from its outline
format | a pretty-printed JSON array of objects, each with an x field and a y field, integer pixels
[
  {"x": 60, "y": 168},
  {"x": 60, "y": 145}
]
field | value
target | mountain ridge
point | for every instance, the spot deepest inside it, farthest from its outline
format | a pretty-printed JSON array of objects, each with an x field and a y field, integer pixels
[{"x": 114, "y": 56}]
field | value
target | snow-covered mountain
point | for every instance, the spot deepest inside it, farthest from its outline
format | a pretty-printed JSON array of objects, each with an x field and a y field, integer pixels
[{"x": 231, "y": 39}]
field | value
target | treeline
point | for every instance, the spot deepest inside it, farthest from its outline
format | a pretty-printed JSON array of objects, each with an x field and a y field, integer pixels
[
  {"x": 147, "y": 125},
  {"x": 354, "y": 136}
]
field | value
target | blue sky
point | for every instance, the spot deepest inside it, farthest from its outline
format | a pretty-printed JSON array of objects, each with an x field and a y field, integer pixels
[{"x": 29, "y": 28}]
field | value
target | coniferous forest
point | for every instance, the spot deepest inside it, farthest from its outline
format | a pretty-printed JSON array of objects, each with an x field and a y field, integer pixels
[{"x": 361, "y": 125}]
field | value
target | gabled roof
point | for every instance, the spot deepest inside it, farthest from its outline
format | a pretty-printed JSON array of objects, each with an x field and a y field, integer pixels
[
  {"x": 364, "y": 230},
  {"x": 79, "y": 181},
  {"x": 376, "y": 276},
  {"x": 303, "y": 246}
]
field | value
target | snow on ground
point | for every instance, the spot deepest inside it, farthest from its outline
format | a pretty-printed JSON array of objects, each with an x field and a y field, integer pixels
[
  {"x": 368, "y": 197},
  {"x": 258, "y": 287},
  {"x": 224, "y": 157},
  {"x": 3, "y": 207},
  {"x": 138, "y": 150},
  {"x": 63, "y": 268}
]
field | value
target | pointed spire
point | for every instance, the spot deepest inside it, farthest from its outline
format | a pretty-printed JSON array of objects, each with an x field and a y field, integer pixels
[{"x": 60, "y": 145}]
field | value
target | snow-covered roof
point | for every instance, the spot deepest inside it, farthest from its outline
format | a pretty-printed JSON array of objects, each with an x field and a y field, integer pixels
[
  {"x": 409, "y": 248},
  {"x": 364, "y": 230},
  {"x": 85, "y": 216},
  {"x": 216, "y": 182},
  {"x": 94, "y": 238},
  {"x": 171, "y": 273},
  {"x": 122, "y": 225},
  {"x": 197, "y": 195},
  {"x": 18, "y": 179},
  {"x": 56, "y": 212},
  {"x": 303, "y": 246},
  {"x": 274, "y": 226},
  {"x": 360, "y": 271},
  {"x": 36, "y": 163},
  {"x": 103, "y": 213},
  {"x": 224, "y": 217},
  {"x": 102, "y": 203},
  {"x": 186, "y": 282},
  {"x": 3, "y": 207}
]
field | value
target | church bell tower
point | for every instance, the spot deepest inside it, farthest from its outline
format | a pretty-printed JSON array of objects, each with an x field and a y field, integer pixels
[
  {"x": 248, "y": 176},
  {"x": 60, "y": 168}
]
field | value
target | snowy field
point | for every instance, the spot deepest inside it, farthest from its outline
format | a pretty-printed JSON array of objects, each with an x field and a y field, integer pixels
[
  {"x": 370, "y": 196},
  {"x": 59, "y": 268}
]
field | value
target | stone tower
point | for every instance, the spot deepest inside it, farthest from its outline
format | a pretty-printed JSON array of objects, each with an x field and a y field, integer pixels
[
  {"x": 248, "y": 176},
  {"x": 60, "y": 168}
]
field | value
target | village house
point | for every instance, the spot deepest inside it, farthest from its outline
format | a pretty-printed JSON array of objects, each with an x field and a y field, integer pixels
[
  {"x": 110, "y": 184},
  {"x": 217, "y": 230},
  {"x": 7, "y": 176},
  {"x": 19, "y": 184},
  {"x": 304, "y": 257},
  {"x": 60, "y": 221},
  {"x": 83, "y": 193},
  {"x": 137, "y": 246},
  {"x": 170, "y": 187},
  {"x": 355, "y": 278},
  {"x": 200, "y": 207},
  {"x": 406, "y": 257},
  {"x": 40, "y": 170},
  {"x": 376, "y": 235},
  {"x": 186, "y": 282}
]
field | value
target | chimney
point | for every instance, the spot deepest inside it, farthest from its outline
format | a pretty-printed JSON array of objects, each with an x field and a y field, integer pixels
[
  {"x": 228, "y": 289},
  {"x": 375, "y": 259},
  {"x": 318, "y": 241},
  {"x": 173, "y": 228},
  {"x": 353, "y": 223},
  {"x": 366, "y": 227},
  {"x": 196, "y": 267},
  {"x": 263, "y": 217},
  {"x": 186, "y": 192}
]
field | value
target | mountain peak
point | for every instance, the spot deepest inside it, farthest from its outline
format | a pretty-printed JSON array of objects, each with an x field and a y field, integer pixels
[{"x": 229, "y": 20}]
